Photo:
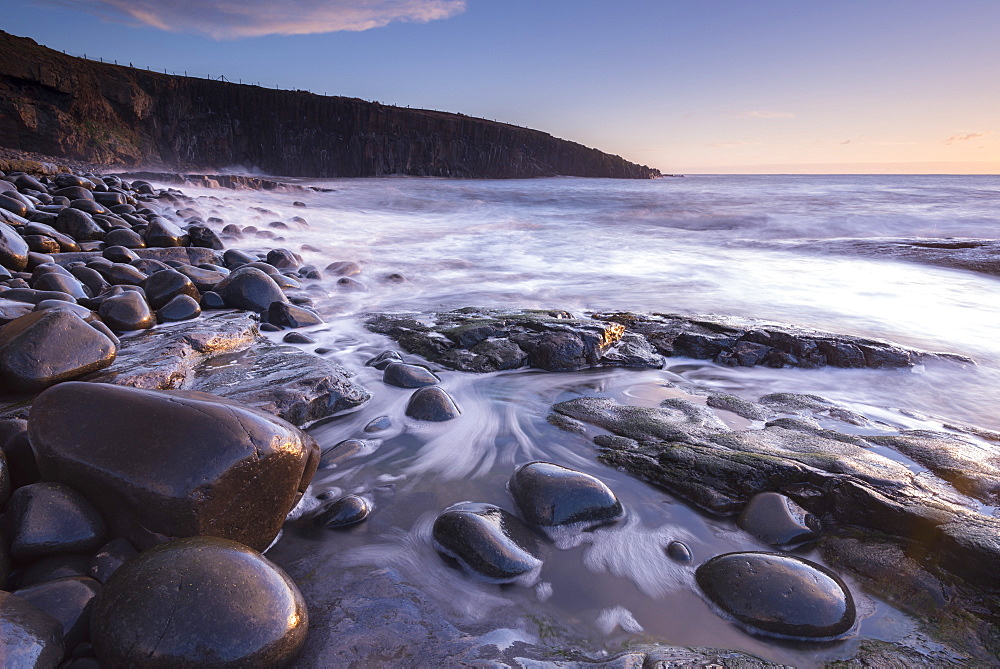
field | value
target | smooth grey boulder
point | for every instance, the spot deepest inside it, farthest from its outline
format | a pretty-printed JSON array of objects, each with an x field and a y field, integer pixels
[
  {"x": 251, "y": 289},
  {"x": 199, "y": 602},
  {"x": 777, "y": 520},
  {"x": 778, "y": 595},
  {"x": 68, "y": 600},
  {"x": 48, "y": 518},
  {"x": 402, "y": 375},
  {"x": 487, "y": 541},
  {"x": 432, "y": 404},
  {"x": 552, "y": 495},
  {"x": 164, "y": 464},
  {"x": 29, "y": 637},
  {"x": 46, "y": 347}
]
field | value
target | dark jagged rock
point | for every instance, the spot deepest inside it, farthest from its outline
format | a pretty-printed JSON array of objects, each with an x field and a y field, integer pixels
[
  {"x": 550, "y": 495},
  {"x": 487, "y": 340},
  {"x": 68, "y": 600},
  {"x": 148, "y": 117},
  {"x": 778, "y": 521},
  {"x": 49, "y": 519},
  {"x": 344, "y": 512},
  {"x": 206, "y": 466},
  {"x": 487, "y": 541},
  {"x": 199, "y": 602},
  {"x": 778, "y": 594},
  {"x": 402, "y": 375},
  {"x": 432, "y": 404},
  {"x": 29, "y": 637},
  {"x": 46, "y": 347}
]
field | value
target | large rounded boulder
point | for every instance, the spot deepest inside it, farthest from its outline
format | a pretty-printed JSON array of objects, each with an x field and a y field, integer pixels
[
  {"x": 45, "y": 347},
  {"x": 163, "y": 464},
  {"x": 198, "y": 602},
  {"x": 487, "y": 541},
  {"x": 551, "y": 495},
  {"x": 778, "y": 595}
]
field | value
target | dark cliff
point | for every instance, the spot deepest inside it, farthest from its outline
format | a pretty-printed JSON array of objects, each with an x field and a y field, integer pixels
[{"x": 78, "y": 109}]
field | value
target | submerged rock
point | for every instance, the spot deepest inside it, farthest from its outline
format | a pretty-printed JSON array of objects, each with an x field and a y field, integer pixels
[
  {"x": 343, "y": 512},
  {"x": 778, "y": 594},
  {"x": 402, "y": 375},
  {"x": 432, "y": 404},
  {"x": 552, "y": 495},
  {"x": 678, "y": 550},
  {"x": 163, "y": 464},
  {"x": 201, "y": 601},
  {"x": 777, "y": 520},
  {"x": 487, "y": 541}
]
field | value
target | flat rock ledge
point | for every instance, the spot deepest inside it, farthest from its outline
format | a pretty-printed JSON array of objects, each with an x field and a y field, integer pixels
[
  {"x": 918, "y": 535},
  {"x": 487, "y": 340},
  {"x": 973, "y": 255},
  {"x": 225, "y": 355}
]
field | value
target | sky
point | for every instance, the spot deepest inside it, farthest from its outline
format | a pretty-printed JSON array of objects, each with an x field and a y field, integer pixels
[{"x": 692, "y": 86}]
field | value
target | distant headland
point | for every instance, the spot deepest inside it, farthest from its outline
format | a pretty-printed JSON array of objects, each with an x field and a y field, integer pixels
[{"x": 120, "y": 116}]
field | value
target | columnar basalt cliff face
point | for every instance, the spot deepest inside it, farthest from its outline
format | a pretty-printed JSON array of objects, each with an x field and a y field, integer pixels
[{"x": 74, "y": 108}]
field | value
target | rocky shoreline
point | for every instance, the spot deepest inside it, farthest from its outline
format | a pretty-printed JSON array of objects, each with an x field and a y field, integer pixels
[{"x": 153, "y": 443}]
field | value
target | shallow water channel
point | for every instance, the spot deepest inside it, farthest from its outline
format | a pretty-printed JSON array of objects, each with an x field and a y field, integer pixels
[{"x": 678, "y": 246}]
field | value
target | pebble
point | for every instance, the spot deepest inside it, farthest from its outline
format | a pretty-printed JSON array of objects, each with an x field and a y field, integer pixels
[
  {"x": 402, "y": 375},
  {"x": 344, "y": 512},
  {"x": 679, "y": 551}
]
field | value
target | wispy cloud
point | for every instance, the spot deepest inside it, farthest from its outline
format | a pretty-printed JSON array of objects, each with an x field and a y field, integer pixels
[
  {"x": 968, "y": 137},
  {"x": 734, "y": 145},
  {"x": 765, "y": 114},
  {"x": 229, "y": 19}
]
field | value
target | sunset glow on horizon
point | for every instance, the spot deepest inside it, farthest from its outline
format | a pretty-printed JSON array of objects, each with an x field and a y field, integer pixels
[{"x": 721, "y": 86}]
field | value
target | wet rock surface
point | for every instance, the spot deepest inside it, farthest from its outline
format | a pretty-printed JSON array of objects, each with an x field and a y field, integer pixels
[
  {"x": 48, "y": 518},
  {"x": 344, "y": 512},
  {"x": 778, "y": 594},
  {"x": 777, "y": 520},
  {"x": 432, "y": 404},
  {"x": 487, "y": 541},
  {"x": 552, "y": 495},
  {"x": 205, "y": 465},
  {"x": 974, "y": 255},
  {"x": 402, "y": 375},
  {"x": 68, "y": 600},
  {"x": 487, "y": 340},
  {"x": 199, "y": 602},
  {"x": 29, "y": 637}
]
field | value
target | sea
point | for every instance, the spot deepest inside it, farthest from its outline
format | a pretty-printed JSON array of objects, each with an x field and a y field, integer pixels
[{"x": 749, "y": 246}]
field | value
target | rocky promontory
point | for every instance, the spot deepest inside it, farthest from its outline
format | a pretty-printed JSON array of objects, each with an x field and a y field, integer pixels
[{"x": 67, "y": 107}]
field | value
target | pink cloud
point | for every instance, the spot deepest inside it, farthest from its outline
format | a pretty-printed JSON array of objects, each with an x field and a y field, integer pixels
[
  {"x": 955, "y": 139},
  {"x": 229, "y": 19}
]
